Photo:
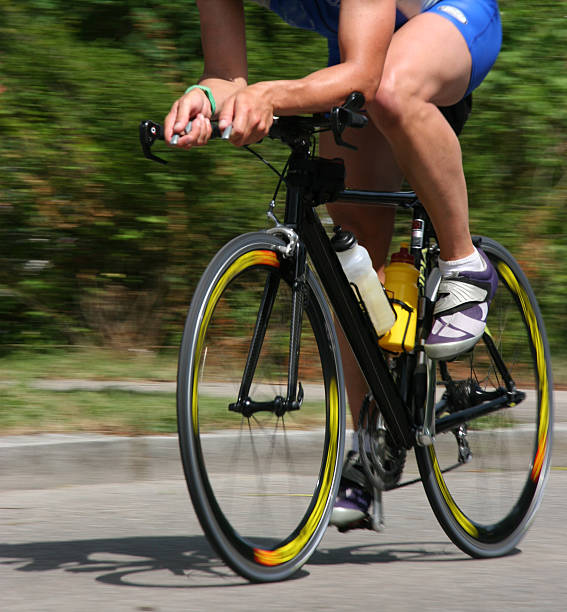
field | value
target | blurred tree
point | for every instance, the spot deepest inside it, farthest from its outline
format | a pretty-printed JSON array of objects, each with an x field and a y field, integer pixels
[
  {"x": 122, "y": 240},
  {"x": 99, "y": 245},
  {"x": 515, "y": 152}
]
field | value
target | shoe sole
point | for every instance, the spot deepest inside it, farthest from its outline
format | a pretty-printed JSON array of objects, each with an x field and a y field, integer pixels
[
  {"x": 343, "y": 517},
  {"x": 450, "y": 350}
]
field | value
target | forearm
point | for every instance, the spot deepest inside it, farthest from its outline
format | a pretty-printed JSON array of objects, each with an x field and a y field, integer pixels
[
  {"x": 365, "y": 31},
  {"x": 223, "y": 38},
  {"x": 319, "y": 91}
]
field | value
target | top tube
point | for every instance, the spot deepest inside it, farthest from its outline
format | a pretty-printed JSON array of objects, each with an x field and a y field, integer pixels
[{"x": 394, "y": 199}]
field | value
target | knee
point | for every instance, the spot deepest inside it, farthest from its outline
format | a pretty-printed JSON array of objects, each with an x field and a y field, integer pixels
[{"x": 397, "y": 102}]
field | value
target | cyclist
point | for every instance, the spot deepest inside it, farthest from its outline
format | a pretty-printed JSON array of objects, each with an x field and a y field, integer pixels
[{"x": 416, "y": 62}]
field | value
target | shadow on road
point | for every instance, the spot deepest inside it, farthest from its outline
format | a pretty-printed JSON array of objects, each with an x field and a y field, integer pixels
[
  {"x": 188, "y": 562},
  {"x": 160, "y": 562},
  {"x": 388, "y": 552}
]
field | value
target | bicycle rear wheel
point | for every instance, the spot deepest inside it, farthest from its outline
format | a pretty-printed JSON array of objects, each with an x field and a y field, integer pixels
[
  {"x": 485, "y": 478},
  {"x": 262, "y": 485}
]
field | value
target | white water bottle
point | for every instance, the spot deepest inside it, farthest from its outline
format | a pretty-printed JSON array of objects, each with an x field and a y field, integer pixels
[{"x": 358, "y": 269}]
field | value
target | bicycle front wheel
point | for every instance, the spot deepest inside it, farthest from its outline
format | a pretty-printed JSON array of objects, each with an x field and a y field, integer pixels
[
  {"x": 262, "y": 482},
  {"x": 485, "y": 477}
]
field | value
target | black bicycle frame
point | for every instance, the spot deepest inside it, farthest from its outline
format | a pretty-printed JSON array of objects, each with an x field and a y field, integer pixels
[
  {"x": 401, "y": 418},
  {"x": 300, "y": 214},
  {"x": 311, "y": 182},
  {"x": 362, "y": 338}
]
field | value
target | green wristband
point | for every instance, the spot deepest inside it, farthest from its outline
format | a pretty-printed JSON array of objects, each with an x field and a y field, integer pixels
[{"x": 208, "y": 93}]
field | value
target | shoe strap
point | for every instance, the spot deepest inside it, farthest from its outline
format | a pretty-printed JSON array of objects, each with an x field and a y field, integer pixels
[{"x": 354, "y": 472}]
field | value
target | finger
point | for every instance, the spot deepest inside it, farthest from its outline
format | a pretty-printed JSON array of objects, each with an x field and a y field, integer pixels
[
  {"x": 175, "y": 138},
  {"x": 249, "y": 127},
  {"x": 198, "y": 132},
  {"x": 183, "y": 114},
  {"x": 226, "y": 115},
  {"x": 259, "y": 128},
  {"x": 240, "y": 123},
  {"x": 169, "y": 121},
  {"x": 205, "y": 130}
]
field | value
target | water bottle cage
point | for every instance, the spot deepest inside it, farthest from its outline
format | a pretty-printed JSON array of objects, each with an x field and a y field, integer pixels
[
  {"x": 365, "y": 310},
  {"x": 402, "y": 304},
  {"x": 409, "y": 309}
]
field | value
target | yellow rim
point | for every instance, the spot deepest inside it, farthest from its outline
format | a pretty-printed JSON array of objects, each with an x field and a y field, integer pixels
[
  {"x": 461, "y": 518},
  {"x": 253, "y": 258},
  {"x": 537, "y": 340},
  {"x": 292, "y": 549}
]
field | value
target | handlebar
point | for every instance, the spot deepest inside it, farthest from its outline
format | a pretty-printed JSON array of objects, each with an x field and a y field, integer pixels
[{"x": 293, "y": 131}]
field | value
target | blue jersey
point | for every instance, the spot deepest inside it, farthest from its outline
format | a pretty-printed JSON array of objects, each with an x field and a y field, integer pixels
[{"x": 322, "y": 16}]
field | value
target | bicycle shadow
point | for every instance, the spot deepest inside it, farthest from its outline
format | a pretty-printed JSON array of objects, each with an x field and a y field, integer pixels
[
  {"x": 386, "y": 552},
  {"x": 157, "y": 562},
  {"x": 189, "y": 562},
  {"x": 392, "y": 552}
]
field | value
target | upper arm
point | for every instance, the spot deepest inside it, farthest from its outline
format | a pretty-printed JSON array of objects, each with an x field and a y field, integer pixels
[
  {"x": 365, "y": 32},
  {"x": 223, "y": 37}
]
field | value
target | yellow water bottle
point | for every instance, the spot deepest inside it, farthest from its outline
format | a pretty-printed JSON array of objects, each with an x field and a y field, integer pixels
[{"x": 401, "y": 286}]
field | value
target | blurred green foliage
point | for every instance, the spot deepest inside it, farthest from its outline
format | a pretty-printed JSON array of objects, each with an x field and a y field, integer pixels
[{"x": 98, "y": 245}]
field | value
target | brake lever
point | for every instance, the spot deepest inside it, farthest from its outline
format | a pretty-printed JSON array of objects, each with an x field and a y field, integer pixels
[
  {"x": 348, "y": 115},
  {"x": 149, "y": 133}
]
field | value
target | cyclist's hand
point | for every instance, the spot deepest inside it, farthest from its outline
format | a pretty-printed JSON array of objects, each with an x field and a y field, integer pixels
[
  {"x": 250, "y": 113},
  {"x": 195, "y": 107}
]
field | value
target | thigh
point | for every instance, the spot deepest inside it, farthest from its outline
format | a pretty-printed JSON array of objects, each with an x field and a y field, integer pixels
[
  {"x": 479, "y": 24},
  {"x": 428, "y": 59},
  {"x": 441, "y": 55}
]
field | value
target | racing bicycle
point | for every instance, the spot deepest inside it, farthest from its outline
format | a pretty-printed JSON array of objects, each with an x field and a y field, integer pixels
[{"x": 261, "y": 399}]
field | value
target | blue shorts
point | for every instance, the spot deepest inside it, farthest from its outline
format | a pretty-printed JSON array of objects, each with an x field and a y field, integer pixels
[{"x": 479, "y": 23}]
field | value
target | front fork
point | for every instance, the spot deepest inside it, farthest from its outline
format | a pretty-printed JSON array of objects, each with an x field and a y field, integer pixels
[{"x": 246, "y": 405}]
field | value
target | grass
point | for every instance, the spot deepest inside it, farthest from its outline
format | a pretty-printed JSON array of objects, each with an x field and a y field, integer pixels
[
  {"x": 116, "y": 412},
  {"x": 91, "y": 364},
  {"x": 25, "y": 409}
]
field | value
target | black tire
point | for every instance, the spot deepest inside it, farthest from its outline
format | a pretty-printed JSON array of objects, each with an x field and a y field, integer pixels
[
  {"x": 263, "y": 487},
  {"x": 485, "y": 505}
]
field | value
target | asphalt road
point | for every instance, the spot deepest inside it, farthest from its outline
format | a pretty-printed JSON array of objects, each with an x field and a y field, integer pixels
[
  {"x": 137, "y": 546},
  {"x": 105, "y": 523}
]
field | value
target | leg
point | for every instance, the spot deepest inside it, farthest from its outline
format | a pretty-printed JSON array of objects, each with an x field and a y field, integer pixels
[
  {"x": 428, "y": 64},
  {"x": 370, "y": 167}
]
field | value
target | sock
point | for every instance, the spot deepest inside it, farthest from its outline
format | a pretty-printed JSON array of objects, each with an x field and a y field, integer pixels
[{"x": 472, "y": 263}]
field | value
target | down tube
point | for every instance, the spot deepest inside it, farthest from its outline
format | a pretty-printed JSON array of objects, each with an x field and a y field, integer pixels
[{"x": 354, "y": 325}]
